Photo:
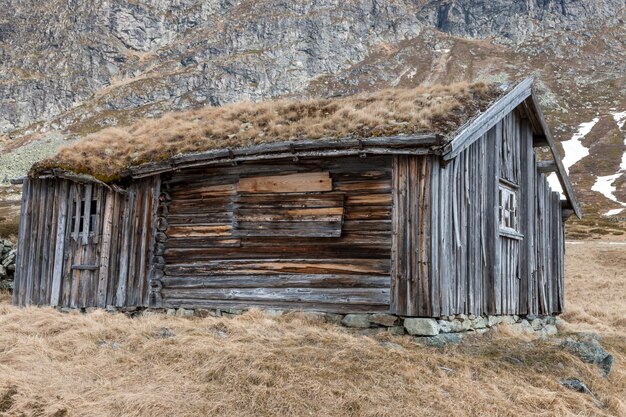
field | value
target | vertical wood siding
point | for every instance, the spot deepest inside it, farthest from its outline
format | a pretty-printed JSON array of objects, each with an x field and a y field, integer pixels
[
  {"x": 226, "y": 243},
  {"x": 60, "y": 265},
  {"x": 410, "y": 285},
  {"x": 475, "y": 268}
]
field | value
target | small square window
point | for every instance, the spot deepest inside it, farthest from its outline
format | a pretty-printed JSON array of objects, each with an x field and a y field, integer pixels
[
  {"x": 80, "y": 216},
  {"x": 508, "y": 208}
]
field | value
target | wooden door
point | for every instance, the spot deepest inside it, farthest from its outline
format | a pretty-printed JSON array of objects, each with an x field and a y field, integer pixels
[{"x": 82, "y": 246}]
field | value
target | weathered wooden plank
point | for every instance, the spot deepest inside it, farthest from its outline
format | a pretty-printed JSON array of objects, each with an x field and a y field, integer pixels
[
  {"x": 277, "y": 281},
  {"x": 57, "y": 273},
  {"x": 293, "y": 183},
  {"x": 105, "y": 249},
  {"x": 376, "y": 296},
  {"x": 23, "y": 243},
  {"x": 278, "y": 266}
]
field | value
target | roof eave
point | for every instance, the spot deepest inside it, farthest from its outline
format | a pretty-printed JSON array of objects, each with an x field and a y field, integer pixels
[{"x": 400, "y": 144}]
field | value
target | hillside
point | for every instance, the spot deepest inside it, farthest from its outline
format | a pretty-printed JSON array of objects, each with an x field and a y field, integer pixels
[
  {"x": 69, "y": 68},
  {"x": 100, "y": 364}
]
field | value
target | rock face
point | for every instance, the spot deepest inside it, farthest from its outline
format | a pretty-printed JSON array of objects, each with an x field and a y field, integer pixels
[
  {"x": 85, "y": 65},
  {"x": 7, "y": 264}
]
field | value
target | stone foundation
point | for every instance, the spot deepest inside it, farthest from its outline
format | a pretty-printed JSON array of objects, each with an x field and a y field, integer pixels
[{"x": 375, "y": 322}]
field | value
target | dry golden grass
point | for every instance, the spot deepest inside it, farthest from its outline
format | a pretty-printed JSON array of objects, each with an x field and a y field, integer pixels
[
  {"x": 54, "y": 364},
  {"x": 438, "y": 109}
]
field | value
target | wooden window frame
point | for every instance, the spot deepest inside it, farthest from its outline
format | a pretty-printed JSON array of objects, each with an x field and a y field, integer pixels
[
  {"x": 508, "y": 209},
  {"x": 92, "y": 226}
]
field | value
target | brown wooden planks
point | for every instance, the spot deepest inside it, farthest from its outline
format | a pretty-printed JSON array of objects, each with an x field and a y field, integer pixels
[{"x": 293, "y": 183}]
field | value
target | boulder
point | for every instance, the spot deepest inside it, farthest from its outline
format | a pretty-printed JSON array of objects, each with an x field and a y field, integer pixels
[
  {"x": 421, "y": 326},
  {"x": 590, "y": 351},
  {"x": 387, "y": 320},
  {"x": 360, "y": 321}
]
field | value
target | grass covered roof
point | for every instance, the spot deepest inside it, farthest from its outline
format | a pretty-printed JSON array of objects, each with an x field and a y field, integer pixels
[{"x": 434, "y": 109}]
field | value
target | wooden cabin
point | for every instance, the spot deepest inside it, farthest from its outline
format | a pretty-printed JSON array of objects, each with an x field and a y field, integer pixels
[{"x": 424, "y": 224}]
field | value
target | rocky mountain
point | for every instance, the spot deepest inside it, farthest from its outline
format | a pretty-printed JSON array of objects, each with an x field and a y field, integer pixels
[{"x": 71, "y": 67}]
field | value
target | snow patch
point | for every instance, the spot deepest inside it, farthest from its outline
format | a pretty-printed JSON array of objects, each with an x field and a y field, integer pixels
[
  {"x": 604, "y": 185},
  {"x": 614, "y": 212},
  {"x": 620, "y": 118},
  {"x": 573, "y": 149}
]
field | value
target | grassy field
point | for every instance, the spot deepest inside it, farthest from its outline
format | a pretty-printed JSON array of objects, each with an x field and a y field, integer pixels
[{"x": 98, "y": 364}]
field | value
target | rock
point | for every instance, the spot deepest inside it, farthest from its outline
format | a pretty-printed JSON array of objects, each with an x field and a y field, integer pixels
[
  {"x": 522, "y": 327},
  {"x": 441, "y": 340},
  {"x": 90, "y": 310},
  {"x": 537, "y": 324},
  {"x": 202, "y": 312},
  {"x": 312, "y": 316},
  {"x": 382, "y": 319},
  {"x": 576, "y": 385},
  {"x": 396, "y": 330},
  {"x": 171, "y": 312},
  {"x": 232, "y": 310},
  {"x": 444, "y": 326},
  {"x": 333, "y": 318},
  {"x": 356, "y": 320},
  {"x": 3, "y": 272},
  {"x": 493, "y": 320},
  {"x": 550, "y": 329},
  {"x": 183, "y": 312},
  {"x": 590, "y": 351},
  {"x": 164, "y": 333},
  {"x": 9, "y": 259},
  {"x": 421, "y": 326},
  {"x": 461, "y": 326},
  {"x": 111, "y": 309},
  {"x": 391, "y": 345},
  {"x": 479, "y": 323}
]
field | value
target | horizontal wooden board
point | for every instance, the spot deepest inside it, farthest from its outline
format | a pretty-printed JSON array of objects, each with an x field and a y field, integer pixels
[
  {"x": 171, "y": 302},
  {"x": 280, "y": 266},
  {"x": 293, "y": 183},
  {"x": 216, "y": 230},
  {"x": 277, "y": 281},
  {"x": 316, "y": 295}
]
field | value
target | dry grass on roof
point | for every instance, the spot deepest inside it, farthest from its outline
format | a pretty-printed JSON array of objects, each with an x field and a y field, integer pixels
[{"x": 438, "y": 109}]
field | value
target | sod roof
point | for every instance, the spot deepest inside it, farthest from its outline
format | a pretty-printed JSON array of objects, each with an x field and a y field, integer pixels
[{"x": 439, "y": 109}]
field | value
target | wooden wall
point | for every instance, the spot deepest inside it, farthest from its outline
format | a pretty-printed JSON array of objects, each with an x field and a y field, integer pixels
[
  {"x": 476, "y": 267},
  {"x": 311, "y": 234},
  {"x": 402, "y": 233},
  {"x": 60, "y": 264}
]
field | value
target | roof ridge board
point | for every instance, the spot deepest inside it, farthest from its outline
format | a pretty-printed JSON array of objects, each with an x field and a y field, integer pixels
[
  {"x": 295, "y": 146},
  {"x": 481, "y": 123}
]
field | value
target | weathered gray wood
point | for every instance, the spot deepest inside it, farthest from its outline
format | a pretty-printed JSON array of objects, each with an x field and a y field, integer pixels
[
  {"x": 57, "y": 274},
  {"x": 545, "y": 167},
  {"x": 478, "y": 126},
  {"x": 300, "y": 149},
  {"x": 105, "y": 250}
]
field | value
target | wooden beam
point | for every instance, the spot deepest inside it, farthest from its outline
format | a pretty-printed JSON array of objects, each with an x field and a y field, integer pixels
[
  {"x": 561, "y": 173},
  {"x": 401, "y": 144},
  {"x": 478, "y": 126},
  {"x": 544, "y": 167}
]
